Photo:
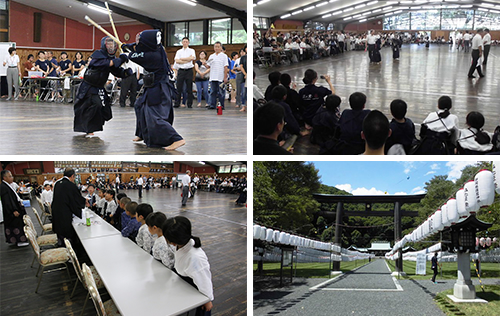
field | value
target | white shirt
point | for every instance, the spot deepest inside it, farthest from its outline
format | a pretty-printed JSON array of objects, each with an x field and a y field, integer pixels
[
  {"x": 47, "y": 196},
  {"x": 144, "y": 238},
  {"x": 217, "y": 64},
  {"x": 441, "y": 125},
  {"x": 477, "y": 41},
  {"x": 140, "y": 182},
  {"x": 459, "y": 36},
  {"x": 186, "y": 180},
  {"x": 193, "y": 262},
  {"x": 467, "y": 140},
  {"x": 11, "y": 61},
  {"x": 111, "y": 209},
  {"x": 163, "y": 252},
  {"x": 184, "y": 53},
  {"x": 14, "y": 186},
  {"x": 340, "y": 37},
  {"x": 372, "y": 39},
  {"x": 467, "y": 37},
  {"x": 100, "y": 202},
  {"x": 117, "y": 180},
  {"x": 487, "y": 39}
]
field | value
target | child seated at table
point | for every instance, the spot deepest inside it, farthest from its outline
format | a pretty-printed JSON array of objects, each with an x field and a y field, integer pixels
[
  {"x": 161, "y": 250},
  {"x": 121, "y": 217},
  {"x": 110, "y": 206},
  {"x": 100, "y": 202},
  {"x": 144, "y": 238},
  {"x": 191, "y": 262},
  {"x": 130, "y": 230}
]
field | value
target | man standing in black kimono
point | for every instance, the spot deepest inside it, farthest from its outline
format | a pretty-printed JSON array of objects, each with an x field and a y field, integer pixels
[
  {"x": 13, "y": 211},
  {"x": 67, "y": 201}
]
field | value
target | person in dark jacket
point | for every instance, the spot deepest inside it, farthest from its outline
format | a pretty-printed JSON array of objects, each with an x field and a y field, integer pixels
[
  {"x": 269, "y": 121},
  {"x": 403, "y": 129},
  {"x": 67, "y": 201},
  {"x": 13, "y": 211}
]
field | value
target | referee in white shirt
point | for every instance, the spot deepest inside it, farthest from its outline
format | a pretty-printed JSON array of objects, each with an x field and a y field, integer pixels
[
  {"x": 184, "y": 57},
  {"x": 12, "y": 63},
  {"x": 477, "y": 51},
  {"x": 186, "y": 180},
  {"x": 487, "y": 45}
]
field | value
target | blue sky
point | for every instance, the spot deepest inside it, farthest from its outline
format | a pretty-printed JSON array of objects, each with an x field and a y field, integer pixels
[{"x": 378, "y": 177}]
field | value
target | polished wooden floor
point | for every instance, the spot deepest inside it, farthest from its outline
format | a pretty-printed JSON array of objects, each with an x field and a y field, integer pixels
[
  {"x": 420, "y": 77},
  {"x": 216, "y": 220},
  {"x": 41, "y": 128}
]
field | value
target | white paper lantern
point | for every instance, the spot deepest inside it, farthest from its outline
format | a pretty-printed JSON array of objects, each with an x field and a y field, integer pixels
[
  {"x": 482, "y": 241},
  {"x": 282, "y": 237},
  {"x": 485, "y": 188},
  {"x": 470, "y": 197},
  {"x": 438, "y": 222},
  {"x": 452, "y": 211},
  {"x": 462, "y": 211},
  {"x": 495, "y": 240},
  {"x": 477, "y": 241},
  {"x": 496, "y": 174},
  {"x": 488, "y": 241},
  {"x": 276, "y": 236},
  {"x": 287, "y": 239},
  {"x": 263, "y": 232},
  {"x": 256, "y": 231},
  {"x": 269, "y": 235},
  {"x": 444, "y": 215}
]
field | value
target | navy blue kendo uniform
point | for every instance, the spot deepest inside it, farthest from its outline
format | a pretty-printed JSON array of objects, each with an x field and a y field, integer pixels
[
  {"x": 154, "y": 109},
  {"x": 93, "y": 105}
]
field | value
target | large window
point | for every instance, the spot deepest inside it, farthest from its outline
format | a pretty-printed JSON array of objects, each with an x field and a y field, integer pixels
[
  {"x": 260, "y": 23},
  {"x": 425, "y": 20},
  {"x": 178, "y": 31},
  {"x": 397, "y": 22},
  {"x": 196, "y": 33},
  {"x": 457, "y": 19},
  {"x": 239, "y": 34},
  {"x": 4, "y": 21},
  {"x": 487, "y": 20},
  {"x": 219, "y": 31}
]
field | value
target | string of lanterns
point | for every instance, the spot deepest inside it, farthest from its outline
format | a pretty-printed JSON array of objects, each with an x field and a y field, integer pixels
[{"x": 476, "y": 194}]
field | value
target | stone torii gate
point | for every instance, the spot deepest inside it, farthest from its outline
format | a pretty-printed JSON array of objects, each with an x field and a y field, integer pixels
[{"x": 368, "y": 200}]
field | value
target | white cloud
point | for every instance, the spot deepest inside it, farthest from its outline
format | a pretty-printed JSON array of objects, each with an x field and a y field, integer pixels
[
  {"x": 400, "y": 193},
  {"x": 456, "y": 169},
  {"x": 409, "y": 166},
  {"x": 430, "y": 172},
  {"x": 435, "y": 166},
  {"x": 365, "y": 191},
  {"x": 417, "y": 190},
  {"x": 345, "y": 187}
]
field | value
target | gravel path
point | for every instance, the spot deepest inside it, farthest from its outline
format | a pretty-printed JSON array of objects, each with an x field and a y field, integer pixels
[{"x": 355, "y": 293}]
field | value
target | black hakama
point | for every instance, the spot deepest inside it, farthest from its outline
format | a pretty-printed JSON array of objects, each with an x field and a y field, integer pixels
[
  {"x": 13, "y": 226},
  {"x": 155, "y": 116},
  {"x": 92, "y": 109}
]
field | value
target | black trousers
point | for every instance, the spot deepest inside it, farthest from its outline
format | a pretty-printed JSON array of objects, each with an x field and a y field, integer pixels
[
  {"x": 341, "y": 46},
  {"x": 474, "y": 65},
  {"x": 371, "y": 49},
  {"x": 140, "y": 191},
  {"x": 435, "y": 274},
  {"x": 128, "y": 84},
  {"x": 185, "y": 76},
  {"x": 486, "y": 53}
]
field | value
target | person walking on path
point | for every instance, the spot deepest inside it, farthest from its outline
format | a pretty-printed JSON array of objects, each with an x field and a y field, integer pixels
[{"x": 434, "y": 267}]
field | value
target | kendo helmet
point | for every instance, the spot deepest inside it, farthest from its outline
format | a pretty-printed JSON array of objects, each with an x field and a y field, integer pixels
[
  {"x": 108, "y": 46},
  {"x": 149, "y": 38}
]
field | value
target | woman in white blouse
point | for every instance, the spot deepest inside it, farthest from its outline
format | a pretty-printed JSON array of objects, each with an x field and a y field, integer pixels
[{"x": 12, "y": 63}]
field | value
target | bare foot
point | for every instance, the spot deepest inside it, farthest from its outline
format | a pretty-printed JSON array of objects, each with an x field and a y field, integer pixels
[
  {"x": 137, "y": 139},
  {"x": 243, "y": 109},
  {"x": 89, "y": 135},
  {"x": 175, "y": 145},
  {"x": 199, "y": 105},
  {"x": 183, "y": 105}
]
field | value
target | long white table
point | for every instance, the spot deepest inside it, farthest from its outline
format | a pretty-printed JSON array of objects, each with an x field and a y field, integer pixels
[
  {"x": 137, "y": 283},
  {"x": 99, "y": 227}
]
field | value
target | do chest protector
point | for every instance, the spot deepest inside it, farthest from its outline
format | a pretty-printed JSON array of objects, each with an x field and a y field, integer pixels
[{"x": 96, "y": 77}]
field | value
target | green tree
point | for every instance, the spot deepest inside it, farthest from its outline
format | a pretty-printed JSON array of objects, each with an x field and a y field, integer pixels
[{"x": 283, "y": 194}]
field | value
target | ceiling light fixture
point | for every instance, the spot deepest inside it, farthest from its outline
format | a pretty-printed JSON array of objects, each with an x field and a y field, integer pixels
[
  {"x": 337, "y": 13},
  {"x": 309, "y": 8},
  {"x": 262, "y": 2},
  {"x": 348, "y": 9},
  {"x": 194, "y": 4},
  {"x": 97, "y": 8},
  {"x": 285, "y": 16},
  {"x": 363, "y": 20},
  {"x": 321, "y": 4},
  {"x": 373, "y": 2},
  {"x": 360, "y": 6},
  {"x": 297, "y": 12},
  {"x": 326, "y": 16}
]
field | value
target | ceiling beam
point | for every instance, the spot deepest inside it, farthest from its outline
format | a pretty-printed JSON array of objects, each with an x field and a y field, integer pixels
[
  {"x": 154, "y": 23},
  {"x": 232, "y": 12}
]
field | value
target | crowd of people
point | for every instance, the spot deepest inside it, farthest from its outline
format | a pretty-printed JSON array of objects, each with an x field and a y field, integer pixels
[
  {"x": 169, "y": 241},
  {"x": 315, "y": 112}
]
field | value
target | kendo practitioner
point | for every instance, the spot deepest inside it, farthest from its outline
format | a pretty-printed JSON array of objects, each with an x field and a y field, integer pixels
[
  {"x": 154, "y": 111},
  {"x": 395, "y": 43},
  {"x": 93, "y": 105}
]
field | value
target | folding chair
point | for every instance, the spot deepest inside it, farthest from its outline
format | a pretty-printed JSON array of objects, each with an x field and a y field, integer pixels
[
  {"x": 45, "y": 240},
  {"x": 107, "y": 308},
  {"x": 45, "y": 228},
  {"x": 46, "y": 258}
]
